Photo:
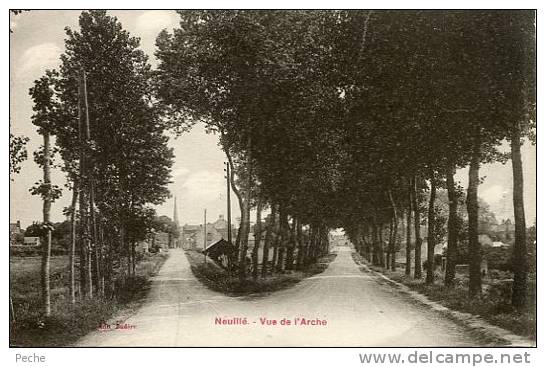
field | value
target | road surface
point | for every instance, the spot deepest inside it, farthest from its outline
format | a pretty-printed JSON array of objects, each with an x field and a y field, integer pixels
[{"x": 359, "y": 310}]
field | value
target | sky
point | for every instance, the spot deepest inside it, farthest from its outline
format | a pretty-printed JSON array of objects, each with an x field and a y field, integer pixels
[{"x": 198, "y": 178}]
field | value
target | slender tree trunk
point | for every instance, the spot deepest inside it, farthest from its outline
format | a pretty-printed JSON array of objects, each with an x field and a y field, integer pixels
[
  {"x": 46, "y": 254},
  {"x": 268, "y": 238},
  {"x": 417, "y": 271},
  {"x": 257, "y": 239},
  {"x": 326, "y": 244},
  {"x": 375, "y": 245},
  {"x": 276, "y": 240},
  {"x": 73, "y": 236},
  {"x": 96, "y": 246},
  {"x": 431, "y": 237},
  {"x": 291, "y": 245},
  {"x": 408, "y": 233},
  {"x": 308, "y": 247},
  {"x": 83, "y": 234},
  {"x": 317, "y": 243},
  {"x": 238, "y": 237},
  {"x": 90, "y": 272},
  {"x": 369, "y": 245},
  {"x": 240, "y": 200},
  {"x": 83, "y": 244},
  {"x": 299, "y": 240},
  {"x": 519, "y": 256},
  {"x": 474, "y": 247},
  {"x": 389, "y": 245},
  {"x": 310, "y": 244},
  {"x": 102, "y": 259},
  {"x": 243, "y": 245},
  {"x": 395, "y": 232},
  {"x": 452, "y": 228},
  {"x": 109, "y": 264},
  {"x": 382, "y": 261},
  {"x": 321, "y": 243},
  {"x": 89, "y": 175},
  {"x": 133, "y": 257},
  {"x": 283, "y": 238},
  {"x": 124, "y": 246},
  {"x": 245, "y": 216}
]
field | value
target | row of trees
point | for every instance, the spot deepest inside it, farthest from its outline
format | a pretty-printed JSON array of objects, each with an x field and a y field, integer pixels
[
  {"x": 353, "y": 118},
  {"x": 331, "y": 119},
  {"x": 111, "y": 141}
]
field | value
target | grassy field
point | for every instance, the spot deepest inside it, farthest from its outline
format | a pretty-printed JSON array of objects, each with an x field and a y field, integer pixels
[
  {"x": 218, "y": 279},
  {"x": 67, "y": 323},
  {"x": 493, "y": 305}
]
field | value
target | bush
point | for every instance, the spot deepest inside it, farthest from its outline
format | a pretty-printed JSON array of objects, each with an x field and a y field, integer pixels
[
  {"x": 437, "y": 261},
  {"x": 65, "y": 325},
  {"x": 218, "y": 279},
  {"x": 498, "y": 257},
  {"x": 68, "y": 322},
  {"x": 25, "y": 251}
]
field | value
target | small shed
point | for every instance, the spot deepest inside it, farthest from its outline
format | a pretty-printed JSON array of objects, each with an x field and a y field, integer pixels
[{"x": 220, "y": 251}]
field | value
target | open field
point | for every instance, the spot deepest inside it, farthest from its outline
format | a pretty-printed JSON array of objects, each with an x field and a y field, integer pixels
[{"x": 68, "y": 322}]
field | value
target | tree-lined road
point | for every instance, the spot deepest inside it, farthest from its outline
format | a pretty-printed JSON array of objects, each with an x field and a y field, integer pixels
[{"x": 360, "y": 310}]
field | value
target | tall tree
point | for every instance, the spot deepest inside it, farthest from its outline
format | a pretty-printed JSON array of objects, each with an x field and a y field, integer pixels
[
  {"x": 431, "y": 237},
  {"x": 453, "y": 228},
  {"x": 127, "y": 162},
  {"x": 44, "y": 108}
]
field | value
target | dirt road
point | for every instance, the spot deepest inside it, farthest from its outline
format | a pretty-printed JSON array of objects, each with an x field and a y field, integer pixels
[{"x": 358, "y": 308}]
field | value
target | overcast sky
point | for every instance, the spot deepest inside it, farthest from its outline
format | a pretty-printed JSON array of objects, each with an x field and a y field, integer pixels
[{"x": 198, "y": 182}]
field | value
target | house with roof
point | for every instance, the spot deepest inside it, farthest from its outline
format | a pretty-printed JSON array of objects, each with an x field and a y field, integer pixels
[
  {"x": 192, "y": 235},
  {"x": 15, "y": 233}
]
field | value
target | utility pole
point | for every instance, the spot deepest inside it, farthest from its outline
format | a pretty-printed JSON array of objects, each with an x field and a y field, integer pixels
[
  {"x": 177, "y": 225},
  {"x": 205, "y": 236}
]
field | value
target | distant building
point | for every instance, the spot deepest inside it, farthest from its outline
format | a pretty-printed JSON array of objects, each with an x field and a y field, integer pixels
[
  {"x": 338, "y": 239},
  {"x": 499, "y": 244},
  {"x": 176, "y": 242},
  {"x": 484, "y": 239},
  {"x": 192, "y": 235},
  {"x": 15, "y": 228},
  {"x": 15, "y": 233},
  {"x": 188, "y": 235},
  {"x": 221, "y": 226},
  {"x": 158, "y": 241},
  {"x": 162, "y": 240},
  {"x": 31, "y": 241}
]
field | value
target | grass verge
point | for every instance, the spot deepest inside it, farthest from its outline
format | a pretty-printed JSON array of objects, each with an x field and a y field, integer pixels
[
  {"x": 68, "y": 322},
  {"x": 493, "y": 305},
  {"x": 218, "y": 279}
]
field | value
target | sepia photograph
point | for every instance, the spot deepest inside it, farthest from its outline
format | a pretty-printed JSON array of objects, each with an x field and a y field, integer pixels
[{"x": 272, "y": 178}]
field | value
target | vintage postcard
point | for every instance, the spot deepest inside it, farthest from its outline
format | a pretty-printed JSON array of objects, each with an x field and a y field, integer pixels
[{"x": 273, "y": 178}]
